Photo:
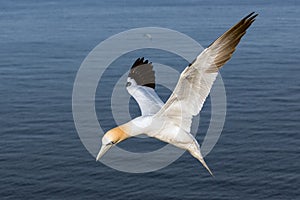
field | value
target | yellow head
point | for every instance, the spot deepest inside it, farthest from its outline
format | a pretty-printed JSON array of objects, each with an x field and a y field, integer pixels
[{"x": 110, "y": 138}]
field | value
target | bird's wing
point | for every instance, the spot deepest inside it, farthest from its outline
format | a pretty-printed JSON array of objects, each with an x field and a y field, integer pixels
[
  {"x": 197, "y": 79},
  {"x": 143, "y": 92}
]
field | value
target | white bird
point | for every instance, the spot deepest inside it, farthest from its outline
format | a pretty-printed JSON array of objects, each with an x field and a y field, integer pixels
[{"x": 171, "y": 122}]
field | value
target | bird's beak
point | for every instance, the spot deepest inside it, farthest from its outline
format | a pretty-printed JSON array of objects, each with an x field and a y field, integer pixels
[{"x": 103, "y": 150}]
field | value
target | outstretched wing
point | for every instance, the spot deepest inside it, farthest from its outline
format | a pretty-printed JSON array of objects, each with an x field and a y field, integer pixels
[
  {"x": 141, "y": 85},
  {"x": 197, "y": 79}
]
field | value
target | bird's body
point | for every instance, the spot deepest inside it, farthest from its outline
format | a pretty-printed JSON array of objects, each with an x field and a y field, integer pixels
[{"x": 171, "y": 122}]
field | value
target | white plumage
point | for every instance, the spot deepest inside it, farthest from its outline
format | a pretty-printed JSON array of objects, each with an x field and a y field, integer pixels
[
  {"x": 146, "y": 97},
  {"x": 171, "y": 122}
]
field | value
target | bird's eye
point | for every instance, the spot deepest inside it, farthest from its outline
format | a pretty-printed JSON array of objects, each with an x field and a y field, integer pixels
[
  {"x": 111, "y": 143},
  {"x": 128, "y": 84}
]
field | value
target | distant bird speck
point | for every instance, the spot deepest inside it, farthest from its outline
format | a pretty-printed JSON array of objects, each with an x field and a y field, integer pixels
[{"x": 148, "y": 36}]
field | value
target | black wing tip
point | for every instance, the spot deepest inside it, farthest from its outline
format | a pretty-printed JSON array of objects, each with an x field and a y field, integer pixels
[
  {"x": 142, "y": 72},
  {"x": 250, "y": 17},
  {"x": 231, "y": 38},
  {"x": 140, "y": 61},
  {"x": 248, "y": 20}
]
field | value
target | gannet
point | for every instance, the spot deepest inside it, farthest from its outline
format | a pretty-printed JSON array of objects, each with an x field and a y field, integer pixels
[{"x": 170, "y": 122}]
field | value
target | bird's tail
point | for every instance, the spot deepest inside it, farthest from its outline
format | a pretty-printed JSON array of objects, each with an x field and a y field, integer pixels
[
  {"x": 197, "y": 154},
  {"x": 205, "y": 165}
]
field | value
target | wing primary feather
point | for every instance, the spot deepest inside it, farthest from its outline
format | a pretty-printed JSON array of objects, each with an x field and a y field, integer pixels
[
  {"x": 226, "y": 44},
  {"x": 142, "y": 72}
]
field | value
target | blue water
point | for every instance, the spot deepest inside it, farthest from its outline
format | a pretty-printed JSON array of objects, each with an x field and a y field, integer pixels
[{"x": 42, "y": 44}]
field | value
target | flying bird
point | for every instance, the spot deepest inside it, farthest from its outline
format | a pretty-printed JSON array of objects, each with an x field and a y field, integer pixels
[{"x": 171, "y": 122}]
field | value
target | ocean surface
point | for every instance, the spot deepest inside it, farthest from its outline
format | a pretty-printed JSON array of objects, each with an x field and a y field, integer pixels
[{"x": 42, "y": 45}]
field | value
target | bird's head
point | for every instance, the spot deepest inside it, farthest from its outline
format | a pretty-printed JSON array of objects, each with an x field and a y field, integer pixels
[{"x": 111, "y": 138}]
